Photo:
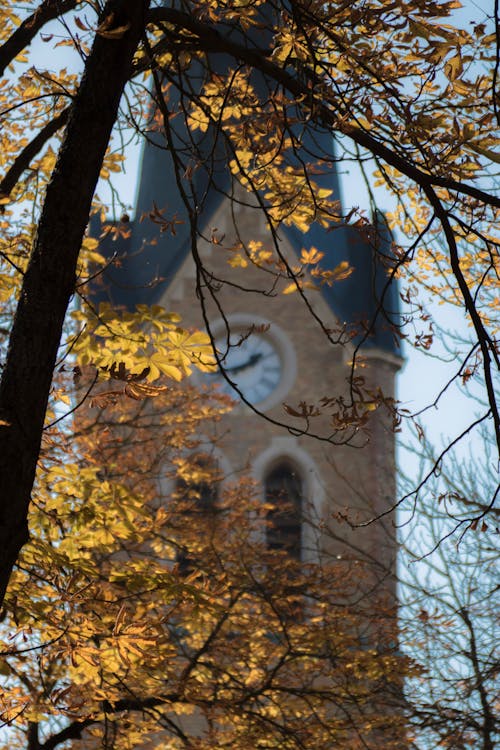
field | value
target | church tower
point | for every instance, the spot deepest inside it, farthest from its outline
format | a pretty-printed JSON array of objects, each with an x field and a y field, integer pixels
[
  {"x": 283, "y": 353},
  {"x": 191, "y": 248},
  {"x": 312, "y": 374}
]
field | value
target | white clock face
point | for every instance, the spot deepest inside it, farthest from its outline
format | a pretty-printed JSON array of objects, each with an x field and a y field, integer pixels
[{"x": 252, "y": 363}]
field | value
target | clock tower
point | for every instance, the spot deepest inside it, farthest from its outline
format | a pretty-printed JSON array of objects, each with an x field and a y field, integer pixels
[
  {"x": 312, "y": 371},
  {"x": 309, "y": 359},
  {"x": 293, "y": 362}
]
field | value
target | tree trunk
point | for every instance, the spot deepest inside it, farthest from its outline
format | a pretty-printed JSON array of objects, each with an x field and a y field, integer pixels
[{"x": 49, "y": 281}]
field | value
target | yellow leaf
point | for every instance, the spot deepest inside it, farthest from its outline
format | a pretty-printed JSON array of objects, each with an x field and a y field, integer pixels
[
  {"x": 492, "y": 155},
  {"x": 30, "y": 92},
  {"x": 106, "y": 30},
  {"x": 453, "y": 67},
  {"x": 163, "y": 364},
  {"x": 238, "y": 261},
  {"x": 323, "y": 193},
  {"x": 311, "y": 256},
  {"x": 342, "y": 271}
]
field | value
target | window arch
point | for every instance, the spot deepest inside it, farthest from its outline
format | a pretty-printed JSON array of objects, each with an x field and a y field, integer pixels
[
  {"x": 198, "y": 486},
  {"x": 197, "y": 492},
  {"x": 283, "y": 489}
]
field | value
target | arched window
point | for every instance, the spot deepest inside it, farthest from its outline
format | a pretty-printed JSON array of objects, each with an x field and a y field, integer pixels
[
  {"x": 284, "y": 492},
  {"x": 197, "y": 493},
  {"x": 198, "y": 486}
]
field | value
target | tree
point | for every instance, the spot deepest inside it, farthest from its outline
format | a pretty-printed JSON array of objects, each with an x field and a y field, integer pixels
[
  {"x": 450, "y": 614},
  {"x": 129, "y": 627},
  {"x": 398, "y": 84}
]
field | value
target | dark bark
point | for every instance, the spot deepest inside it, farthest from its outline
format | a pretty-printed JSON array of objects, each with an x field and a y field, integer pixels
[
  {"x": 29, "y": 152},
  {"x": 32, "y": 736},
  {"x": 489, "y": 723},
  {"x": 75, "y": 730},
  {"x": 49, "y": 280}
]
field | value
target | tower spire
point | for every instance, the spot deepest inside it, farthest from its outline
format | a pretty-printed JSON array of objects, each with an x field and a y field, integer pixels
[{"x": 184, "y": 178}]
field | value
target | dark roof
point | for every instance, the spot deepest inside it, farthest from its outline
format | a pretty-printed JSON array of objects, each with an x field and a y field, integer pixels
[{"x": 149, "y": 259}]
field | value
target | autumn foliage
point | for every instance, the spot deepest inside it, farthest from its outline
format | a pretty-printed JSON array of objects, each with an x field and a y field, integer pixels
[
  {"x": 140, "y": 616},
  {"x": 405, "y": 89},
  {"x": 194, "y": 642}
]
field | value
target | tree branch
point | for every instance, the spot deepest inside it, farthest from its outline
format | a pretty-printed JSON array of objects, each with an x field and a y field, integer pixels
[
  {"x": 486, "y": 344},
  {"x": 74, "y": 730},
  {"x": 49, "y": 281},
  {"x": 28, "y": 153},
  {"x": 211, "y": 40},
  {"x": 488, "y": 724},
  {"x": 30, "y": 27}
]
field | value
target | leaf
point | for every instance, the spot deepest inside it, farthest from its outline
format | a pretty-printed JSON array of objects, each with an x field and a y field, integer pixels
[
  {"x": 494, "y": 156},
  {"x": 453, "y": 67},
  {"x": 342, "y": 271},
  {"x": 311, "y": 256},
  {"x": 140, "y": 391},
  {"x": 293, "y": 412},
  {"x": 238, "y": 261},
  {"x": 161, "y": 364},
  {"x": 80, "y": 24},
  {"x": 120, "y": 617},
  {"x": 106, "y": 29},
  {"x": 323, "y": 193}
]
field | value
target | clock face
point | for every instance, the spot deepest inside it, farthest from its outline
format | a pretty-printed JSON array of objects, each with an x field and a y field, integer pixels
[{"x": 253, "y": 364}]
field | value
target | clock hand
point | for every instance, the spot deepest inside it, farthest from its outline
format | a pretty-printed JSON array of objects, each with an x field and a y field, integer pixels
[{"x": 249, "y": 363}]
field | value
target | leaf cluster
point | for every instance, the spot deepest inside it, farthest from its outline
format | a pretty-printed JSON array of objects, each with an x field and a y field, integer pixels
[{"x": 137, "y": 614}]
